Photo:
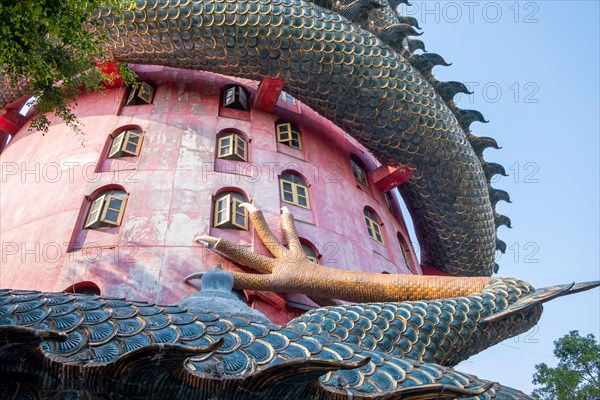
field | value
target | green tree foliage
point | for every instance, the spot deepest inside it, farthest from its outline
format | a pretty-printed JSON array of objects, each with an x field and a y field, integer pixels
[
  {"x": 577, "y": 375},
  {"x": 45, "y": 43}
]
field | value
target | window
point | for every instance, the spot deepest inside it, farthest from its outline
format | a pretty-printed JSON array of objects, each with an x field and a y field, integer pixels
[
  {"x": 310, "y": 253},
  {"x": 126, "y": 143},
  {"x": 236, "y": 98},
  {"x": 229, "y": 214},
  {"x": 232, "y": 146},
  {"x": 388, "y": 200},
  {"x": 143, "y": 94},
  {"x": 294, "y": 190},
  {"x": 288, "y": 134},
  {"x": 358, "y": 171},
  {"x": 106, "y": 210},
  {"x": 288, "y": 98},
  {"x": 405, "y": 253},
  {"x": 373, "y": 226},
  {"x": 405, "y": 256}
]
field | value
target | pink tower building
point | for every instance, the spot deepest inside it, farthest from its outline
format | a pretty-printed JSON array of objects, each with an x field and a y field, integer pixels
[{"x": 116, "y": 209}]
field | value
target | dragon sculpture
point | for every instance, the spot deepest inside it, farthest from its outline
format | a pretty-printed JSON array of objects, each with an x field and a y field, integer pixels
[{"x": 356, "y": 64}]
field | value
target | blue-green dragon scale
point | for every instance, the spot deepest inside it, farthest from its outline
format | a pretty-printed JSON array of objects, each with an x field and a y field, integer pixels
[
  {"x": 60, "y": 342},
  {"x": 444, "y": 332}
]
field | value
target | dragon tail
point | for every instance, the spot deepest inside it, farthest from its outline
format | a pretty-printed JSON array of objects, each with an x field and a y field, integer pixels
[{"x": 536, "y": 299}]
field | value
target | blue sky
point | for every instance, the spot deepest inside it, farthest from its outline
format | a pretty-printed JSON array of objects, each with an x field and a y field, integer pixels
[{"x": 534, "y": 67}]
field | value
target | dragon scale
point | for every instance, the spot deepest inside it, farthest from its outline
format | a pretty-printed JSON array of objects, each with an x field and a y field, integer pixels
[
  {"x": 103, "y": 345},
  {"x": 444, "y": 332}
]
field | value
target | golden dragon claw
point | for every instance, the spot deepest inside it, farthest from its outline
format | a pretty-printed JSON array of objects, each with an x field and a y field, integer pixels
[{"x": 291, "y": 271}]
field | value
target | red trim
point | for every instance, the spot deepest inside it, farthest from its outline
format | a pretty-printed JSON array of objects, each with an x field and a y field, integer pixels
[
  {"x": 388, "y": 177},
  {"x": 109, "y": 69},
  {"x": 82, "y": 287},
  {"x": 7, "y": 127},
  {"x": 429, "y": 270},
  {"x": 11, "y": 121},
  {"x": 18, "y": 104},
  {"x": 3, "y": 140},
  {"x": 268, "y": 94},
  {"x": 271, "y": 298}
]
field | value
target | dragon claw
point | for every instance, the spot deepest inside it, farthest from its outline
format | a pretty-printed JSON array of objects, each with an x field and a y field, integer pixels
[
  {"x": 249, "y": 207},
  {"x": 290, "y": 270},
  {"x": 197, "y": 275},
  {"x": 207, "y": 241}
]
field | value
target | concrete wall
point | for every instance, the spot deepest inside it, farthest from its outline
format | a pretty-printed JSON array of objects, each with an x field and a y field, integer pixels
[{"x": 47, "y": 181}]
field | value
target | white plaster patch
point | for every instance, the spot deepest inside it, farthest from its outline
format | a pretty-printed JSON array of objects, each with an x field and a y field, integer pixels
[
  {"x": 144, "y": 230},
  {"x": 183, "y": 229}
]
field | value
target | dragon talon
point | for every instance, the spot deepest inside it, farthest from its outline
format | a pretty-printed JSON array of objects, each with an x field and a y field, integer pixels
[
  {"x": 242, "y": 255},
  {"x": 249, "y": 207},
  {"x": 207, "y": 241},
  {"x": 289, "y": 232},
  {"x": 196, "y": 275},
  {"x": 265, "y": 233}
]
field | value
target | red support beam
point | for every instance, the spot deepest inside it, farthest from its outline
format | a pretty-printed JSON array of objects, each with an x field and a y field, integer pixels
[
  {"x": 18, "y": 104},
  {"x": 388, "y": 177},
  {"x": 11, "y": 121},
  {"x": 274, "y": 299},
  {"x": 3, "y": 140},
  {"x": 114, "y": 79},
  {"x": 268, "y": 93}
]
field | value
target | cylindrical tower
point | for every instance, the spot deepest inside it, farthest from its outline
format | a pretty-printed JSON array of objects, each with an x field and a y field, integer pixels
[{"x": 117, "y": 208}]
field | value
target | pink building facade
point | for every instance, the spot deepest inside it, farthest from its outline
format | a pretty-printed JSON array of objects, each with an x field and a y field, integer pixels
[{"x": 50, "y": 182}]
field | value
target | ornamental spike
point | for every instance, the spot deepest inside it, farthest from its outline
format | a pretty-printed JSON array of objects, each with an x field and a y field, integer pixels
[
  {"x": 395, "y": 34},
  {"x": 396, "y": 3},
  {"x": 498, "y": 194},
  {"x": 425, "y": 62},
  {"x": 480, "y": 143},
  {"x": 450, "y": 89},
  {"x": 496, "y": 267},
  {"x": 157, "y": 360},
  {"x": 467, "y": 117},
  {"x": 300, "y": 372},
  {"x": 500, "y": 245},
  {"x": 491, "y": 169},
  {"x": 412, "y": 21},
  {"x": 415, "y": 44},
  {"x": 358, "y": 10},
  {"x": 500, "y": 220}
]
